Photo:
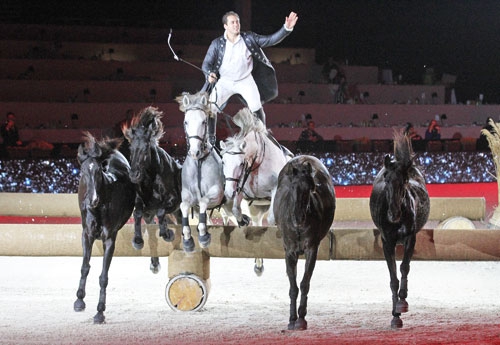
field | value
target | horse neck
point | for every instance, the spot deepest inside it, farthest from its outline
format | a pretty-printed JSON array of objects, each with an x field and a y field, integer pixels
[{"x": 255, "y": 150}]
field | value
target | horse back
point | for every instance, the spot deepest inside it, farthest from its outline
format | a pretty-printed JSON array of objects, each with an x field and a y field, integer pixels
[
  {"x": 416, "y": 188},
  {"x": 317, "y": 216}
]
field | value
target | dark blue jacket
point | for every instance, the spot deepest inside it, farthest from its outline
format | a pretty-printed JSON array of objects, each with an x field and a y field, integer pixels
[{"x": 263, "y": 72}]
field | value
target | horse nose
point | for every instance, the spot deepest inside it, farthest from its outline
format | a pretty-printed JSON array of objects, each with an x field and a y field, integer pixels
[
  {"x": 229, "y": 193},
  {"x": 195, "y": 154},
  {"x": 135, "y": 176}
]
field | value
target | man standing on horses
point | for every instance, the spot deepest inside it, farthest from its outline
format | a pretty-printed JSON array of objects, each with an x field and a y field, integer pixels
[{"x": 236, "y": 64}]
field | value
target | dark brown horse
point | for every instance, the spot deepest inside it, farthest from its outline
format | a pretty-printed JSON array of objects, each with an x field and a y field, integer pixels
[
  {"x": 106, "y": 198},
  {"x": 304, "y": 207},
  {"x": 156, "y": 175},
  {"x": 399, "y": 206}
]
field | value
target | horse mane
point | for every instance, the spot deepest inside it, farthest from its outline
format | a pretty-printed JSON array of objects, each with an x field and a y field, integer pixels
[
  {"x": 148, "y": 119},
  {"x": 403, "y": 151},
  {"x": 194, "y": 101},
  {"x": 247, "y": 121},
  {"x": 94, "y": 148}
]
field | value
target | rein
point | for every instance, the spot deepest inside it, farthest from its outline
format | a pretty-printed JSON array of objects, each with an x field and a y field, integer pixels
[
  {"x": 197, "y": 137},
  {"x": 248, "y": 168}
]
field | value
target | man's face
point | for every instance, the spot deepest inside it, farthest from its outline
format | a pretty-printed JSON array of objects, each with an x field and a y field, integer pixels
[{"x": 232, "y": 25}]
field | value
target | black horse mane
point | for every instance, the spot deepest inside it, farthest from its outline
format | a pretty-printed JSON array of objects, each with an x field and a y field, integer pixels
[
  {"x": 149, "y": 120},
  {"x": 94, "y": 148}
]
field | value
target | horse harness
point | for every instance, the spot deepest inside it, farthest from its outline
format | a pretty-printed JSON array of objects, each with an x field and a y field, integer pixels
[
  {"x": 248, "y": 168},
  {"x": 202, "y": 139}
]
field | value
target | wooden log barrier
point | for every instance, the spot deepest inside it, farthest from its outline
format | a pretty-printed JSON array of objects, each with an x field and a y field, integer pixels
[
  {"x": 245, "y": 242},
  {"x": 251, "y": 242}
]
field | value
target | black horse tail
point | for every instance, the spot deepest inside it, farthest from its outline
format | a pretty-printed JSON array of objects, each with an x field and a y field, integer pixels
[{"x": 403, "y": 151}]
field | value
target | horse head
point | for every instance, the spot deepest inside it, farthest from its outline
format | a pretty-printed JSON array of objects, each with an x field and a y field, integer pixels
[
  {"x": 143, "y": 134},
  {"x": 233, "y": 164},
  {"x": 196, "y": 114},
  {"x": 94, "y": 158}
]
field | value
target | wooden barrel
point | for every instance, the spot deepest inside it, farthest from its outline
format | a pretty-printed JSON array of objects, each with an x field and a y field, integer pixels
[{"x": 186, "y": 292}]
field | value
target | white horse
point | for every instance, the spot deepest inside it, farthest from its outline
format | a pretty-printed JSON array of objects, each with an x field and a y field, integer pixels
[
  {"x": 252, "y": 161},
  {"x": 202, "y": 175}
]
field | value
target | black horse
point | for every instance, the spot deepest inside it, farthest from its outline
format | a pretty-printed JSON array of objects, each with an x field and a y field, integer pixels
[
  {"x": 304, "y": 207},
  {"x": 399, "y": 207},
  {"x": 156, "y": 175},
  {"x": 106, "y": 198}
]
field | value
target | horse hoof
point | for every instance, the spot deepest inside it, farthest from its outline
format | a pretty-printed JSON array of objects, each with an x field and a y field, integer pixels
[
  {"x": 138, "y": 243},
  {"x": 300, "y": 325},
  {"x": 79, "y": 305},
  {"x": 258, "y": 270},
  {"x": 188, "y": 245},
  {"x": 99, "y": 318},
  {"x": 205, "y": 240},
  {"x": 402, "y": 306},
  {"x": 155, "y": 268},
  {"x": 396, "y": 323},
  {"x": 245, "y": 220},
  {"x": 168, "y": 236}
]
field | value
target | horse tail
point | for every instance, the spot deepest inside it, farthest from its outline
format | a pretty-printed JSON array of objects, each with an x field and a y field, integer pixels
[{"x": 403, "y": 151}]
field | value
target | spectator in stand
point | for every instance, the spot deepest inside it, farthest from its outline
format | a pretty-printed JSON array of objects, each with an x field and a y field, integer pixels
[
  {"x": 10, "y": 134},
  {"x": 310, "y": 134},
  {"x": 309, "y": 139},
  {"x": 411, "y": 132},
  {"x": 9, "y": 131},
  {"x": 482, "y": 142},
  {"x": 433, "y": 131}
]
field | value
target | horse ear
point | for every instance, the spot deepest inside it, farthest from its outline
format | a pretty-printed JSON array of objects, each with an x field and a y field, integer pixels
[
  {"x": 82, "y": 154},
  {"x": 308, "y": 168},
  {"x": 204, "y": 100},
  {"x": 387, "y": 161},
  {"x": 222, "y": 145},
  {"x": 185, "y": 101}
]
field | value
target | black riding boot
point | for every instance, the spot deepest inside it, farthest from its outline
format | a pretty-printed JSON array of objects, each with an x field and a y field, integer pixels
[
  {"x": 261, "y": 115},
  {"x": 212, "y": 123}
]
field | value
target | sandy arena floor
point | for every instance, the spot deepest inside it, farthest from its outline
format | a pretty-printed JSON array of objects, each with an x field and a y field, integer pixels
[{"x": 349, "y": 303}]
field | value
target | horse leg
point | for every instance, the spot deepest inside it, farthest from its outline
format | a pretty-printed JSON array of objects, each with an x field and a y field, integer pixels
[
  {"x": 204, "y": 236},
  {"x": 291, "y": 259},
  {"x": 311, "y": 256},
  {"x": 109, "y": 248},
  {"x": 409, "y": 246},
  {"x": 187, "y": 239},
  {"x": 87, "y": 243},
  {"x": 154, "y": 266},
  {"x": 390, "y": 258},
  {"x": 138, "y": 242},
  {"x": 165, "y": 233},
  {"x": 243, "y": 219}
]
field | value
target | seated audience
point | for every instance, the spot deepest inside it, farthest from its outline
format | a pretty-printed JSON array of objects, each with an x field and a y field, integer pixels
[
  {"x": 433, "y": 131},
  {"x": 309, "y": 139},
  {"x": 411, "y": 132}
]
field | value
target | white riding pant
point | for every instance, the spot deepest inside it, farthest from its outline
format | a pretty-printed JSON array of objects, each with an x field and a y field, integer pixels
[{"x": 246, "y": 87}]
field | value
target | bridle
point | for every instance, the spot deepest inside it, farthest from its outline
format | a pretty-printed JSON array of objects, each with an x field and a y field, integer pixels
[
  {"x": 203, "y": 139},
  {"x": 248, "y": 166}
]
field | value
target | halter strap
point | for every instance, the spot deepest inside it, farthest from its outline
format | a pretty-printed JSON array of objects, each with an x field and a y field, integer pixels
[{"x": 248, "y": 168}]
